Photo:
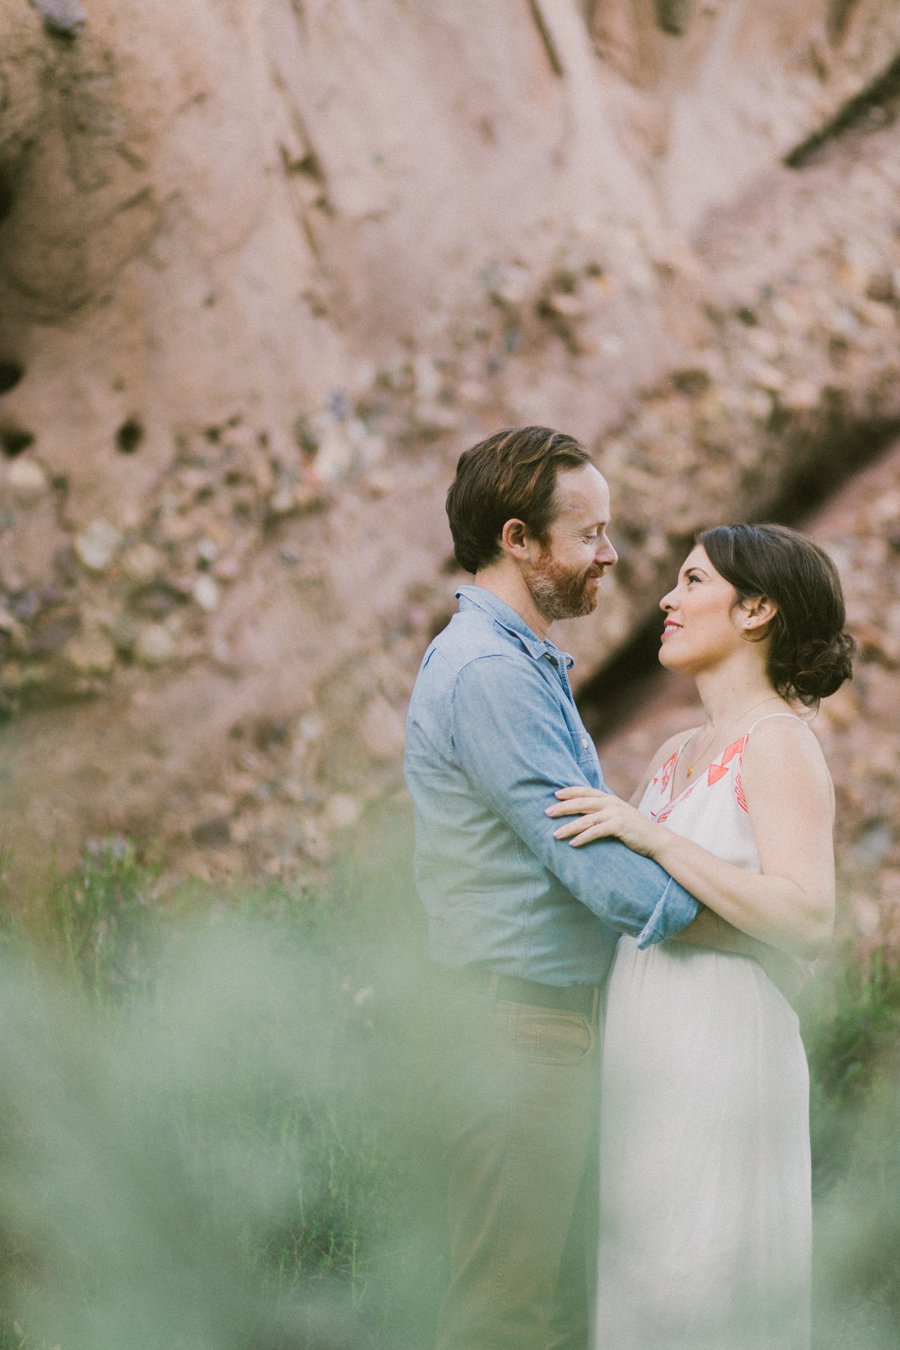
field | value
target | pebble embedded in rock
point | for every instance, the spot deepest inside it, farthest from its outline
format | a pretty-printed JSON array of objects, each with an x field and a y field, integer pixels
[
  {"x": 142, "y": 563},
  {"x": 97, "y": 544},
  {"x": 91, "y": 654},
  {"x": 155, "y": 645},
  {"x": 206, "y": 592},
  {"x": 341, "y": 811},
  {"x": 27, "y": 480}
]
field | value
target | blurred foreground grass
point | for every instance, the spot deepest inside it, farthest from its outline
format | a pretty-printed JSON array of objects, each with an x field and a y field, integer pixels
[{"x": 214, "y": 1131}]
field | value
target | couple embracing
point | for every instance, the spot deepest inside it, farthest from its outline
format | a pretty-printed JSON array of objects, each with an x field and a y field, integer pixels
[{"x": 624, "y": 1104}]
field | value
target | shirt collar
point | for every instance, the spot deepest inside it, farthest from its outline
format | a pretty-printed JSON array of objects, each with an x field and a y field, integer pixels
[{"x": 508, "y": 618}]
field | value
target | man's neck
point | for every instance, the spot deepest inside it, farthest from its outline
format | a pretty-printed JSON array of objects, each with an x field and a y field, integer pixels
[{"x": 510, "y": 588}]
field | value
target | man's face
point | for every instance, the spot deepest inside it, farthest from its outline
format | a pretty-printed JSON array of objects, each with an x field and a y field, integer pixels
[{"x": 564, "y": 577}]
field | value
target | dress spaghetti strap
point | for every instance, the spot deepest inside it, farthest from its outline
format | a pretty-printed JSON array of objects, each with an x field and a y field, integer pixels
[{"x": 794, "y": 717}]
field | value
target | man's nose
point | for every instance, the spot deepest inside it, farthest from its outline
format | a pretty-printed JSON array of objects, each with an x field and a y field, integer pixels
[{"x": 606, "y": 553}]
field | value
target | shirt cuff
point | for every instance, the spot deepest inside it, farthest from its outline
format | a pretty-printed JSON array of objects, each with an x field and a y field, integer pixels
[{"x": 674, "y": 910}]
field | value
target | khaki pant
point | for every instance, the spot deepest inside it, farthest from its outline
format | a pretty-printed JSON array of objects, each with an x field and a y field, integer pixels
[{"x": 518, "y": 1107}]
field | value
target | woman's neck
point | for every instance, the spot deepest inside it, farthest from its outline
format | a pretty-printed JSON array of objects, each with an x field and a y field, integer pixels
[{"x": 728, "y": 700}]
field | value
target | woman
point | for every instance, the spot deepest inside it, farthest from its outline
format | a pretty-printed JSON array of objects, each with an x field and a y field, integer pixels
[{"x": 705, "y": 1192}]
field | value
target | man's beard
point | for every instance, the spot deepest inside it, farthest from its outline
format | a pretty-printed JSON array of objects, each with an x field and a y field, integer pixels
[{"x": 561, "y": 594}]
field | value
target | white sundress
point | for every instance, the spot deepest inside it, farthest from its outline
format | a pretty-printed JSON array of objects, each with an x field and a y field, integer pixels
[{"x": 705, "y": 1164}]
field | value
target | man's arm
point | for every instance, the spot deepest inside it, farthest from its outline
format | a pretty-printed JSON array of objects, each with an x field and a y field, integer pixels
[
  {"x": 513, "y": 742},
  {"x": 710, "y": 931}
]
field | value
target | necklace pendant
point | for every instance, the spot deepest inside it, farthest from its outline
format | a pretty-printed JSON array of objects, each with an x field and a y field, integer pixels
[{"x": 690, "y": 771}]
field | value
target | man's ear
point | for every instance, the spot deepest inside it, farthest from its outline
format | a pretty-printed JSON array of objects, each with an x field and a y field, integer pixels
[{"x": 514, "y": 538}]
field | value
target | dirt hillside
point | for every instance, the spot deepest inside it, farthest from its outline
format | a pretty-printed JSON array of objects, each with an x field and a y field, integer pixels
[{"x": 267, "y": 266}]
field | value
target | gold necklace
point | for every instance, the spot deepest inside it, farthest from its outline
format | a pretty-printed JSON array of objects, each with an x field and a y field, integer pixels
[{"x": 717, "y": 731}]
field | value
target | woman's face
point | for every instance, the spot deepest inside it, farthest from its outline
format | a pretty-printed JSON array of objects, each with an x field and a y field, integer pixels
[{"x": 704, "y": 619}]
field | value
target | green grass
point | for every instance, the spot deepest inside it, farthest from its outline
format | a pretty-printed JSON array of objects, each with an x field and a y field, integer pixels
[
  {"x": 210, "y": 1115},
  {"x": 214, "y": 1127},
  {"x": 853, "y": 1036}
]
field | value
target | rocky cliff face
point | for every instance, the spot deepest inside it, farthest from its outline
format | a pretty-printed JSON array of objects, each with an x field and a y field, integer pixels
[{"x": 266, "y": 268}]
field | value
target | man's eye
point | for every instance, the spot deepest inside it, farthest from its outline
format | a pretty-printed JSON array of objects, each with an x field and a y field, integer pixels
[{"x": 591, "y": 538}]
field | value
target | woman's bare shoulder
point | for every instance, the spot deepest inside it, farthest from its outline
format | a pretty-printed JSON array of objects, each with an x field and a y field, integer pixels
[
  {"x": 786, "y": 751},
  {"x": 785, "y": 733}
]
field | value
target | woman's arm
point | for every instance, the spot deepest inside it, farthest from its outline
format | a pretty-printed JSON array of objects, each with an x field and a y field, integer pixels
[{"x": 790, "y": 799}]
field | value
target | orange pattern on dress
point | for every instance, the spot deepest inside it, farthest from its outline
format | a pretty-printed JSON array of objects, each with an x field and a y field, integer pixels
[
  {"x": 739, "y": 792},
  {"x": 664, "y": 777},
  {"x": 718, "y": 769}
]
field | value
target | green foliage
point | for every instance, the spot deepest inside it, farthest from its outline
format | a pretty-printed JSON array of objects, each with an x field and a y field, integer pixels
[
  {"x": 853, "y": 1038},
  {"x": 208, "y": 1119},
  {"x": 853, "y": 1035},
  {"x": 96, "y": 922},
  {"x": 215, "y": 1128}
]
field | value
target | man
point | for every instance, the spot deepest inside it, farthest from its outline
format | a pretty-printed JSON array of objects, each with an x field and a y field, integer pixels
[{"x": 525, "y": 928}]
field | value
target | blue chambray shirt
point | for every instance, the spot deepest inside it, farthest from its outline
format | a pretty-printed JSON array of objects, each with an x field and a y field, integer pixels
[{"x": 492, "y": 732}]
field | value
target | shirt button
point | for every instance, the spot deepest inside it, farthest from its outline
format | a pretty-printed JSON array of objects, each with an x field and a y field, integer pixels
[{"x": 584, "y": 742}]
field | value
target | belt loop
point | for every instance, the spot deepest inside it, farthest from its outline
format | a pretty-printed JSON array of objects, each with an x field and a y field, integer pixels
[{"x": 595, "y": 1006}]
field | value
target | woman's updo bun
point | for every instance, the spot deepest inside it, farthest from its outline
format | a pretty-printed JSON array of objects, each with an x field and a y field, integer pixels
[
  {"x": 810, "y": 654},
  {"x": 820, "y": 667}
]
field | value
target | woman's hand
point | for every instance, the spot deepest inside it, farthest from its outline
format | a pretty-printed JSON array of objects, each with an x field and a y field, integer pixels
[{"x": 602, "y": 816}]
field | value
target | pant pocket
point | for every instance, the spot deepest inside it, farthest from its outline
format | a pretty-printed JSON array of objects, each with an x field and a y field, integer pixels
[{"x": 550, "y": 1036}]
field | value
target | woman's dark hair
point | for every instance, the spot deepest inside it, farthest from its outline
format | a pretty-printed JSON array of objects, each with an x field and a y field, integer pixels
[
  {"x": 510, "y": 475},
  {"x": 810, "y": 654}
]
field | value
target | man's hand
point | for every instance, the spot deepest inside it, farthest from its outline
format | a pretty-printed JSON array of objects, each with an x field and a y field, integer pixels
[{"x": 787, "y": 972}]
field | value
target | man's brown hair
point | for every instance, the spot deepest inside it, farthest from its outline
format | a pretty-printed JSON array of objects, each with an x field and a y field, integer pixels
[{"x": 510, "y": 475}]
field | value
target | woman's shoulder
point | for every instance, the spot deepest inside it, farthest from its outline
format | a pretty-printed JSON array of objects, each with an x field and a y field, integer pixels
[
  {"x": 786, "y": 730},
  {"x": 785, "y": 746}
]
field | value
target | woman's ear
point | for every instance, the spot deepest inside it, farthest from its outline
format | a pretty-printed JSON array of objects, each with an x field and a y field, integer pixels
[{"x": 758, "y": 613}]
